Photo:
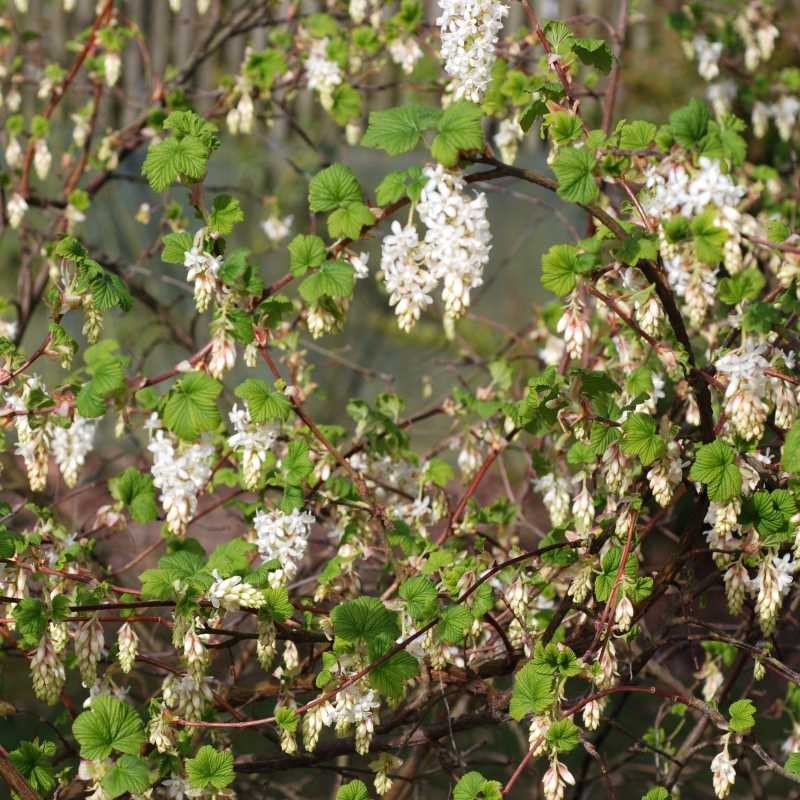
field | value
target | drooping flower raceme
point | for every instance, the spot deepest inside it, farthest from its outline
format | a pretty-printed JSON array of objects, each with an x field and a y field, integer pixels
[
  {"x": 202, "y": 269},
  {"x": 405, "y": 276},
  {"x": 251, "y": 442},
  {"x": 71, "y": 446},
  {"x": 180, "y": 475},
  {"x": 283, "y": 537},
  {"x": 323, "y": 74},
  {"x": 469, "y": 32},
  {"x": 458, "y": 238},
  {"x": 233, "y": 593}
]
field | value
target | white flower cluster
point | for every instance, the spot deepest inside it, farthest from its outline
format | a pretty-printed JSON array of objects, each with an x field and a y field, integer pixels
[
  {"x": 405, "y": 52},
  {"x": 277, "y": 228},
  {"x": 784, "y": 112},
  {"x": 251, "y": 442},
  {"x": 47, "y": 671},
  {"x": 555, "y": 496},
  {"x": 758, "y": 33},
  {"x": 469, "y": 32},
  {"x": 180, "y": 476},
  {"x": 771, "y": 584},
  {"x": 323, "y": 74},
  {"x": 356, "y": 707},
  {"x": 202, "y": 270},
  {"x": 509, "y": 135},
  {"x": 454, "y": 252},
  {"x": 678, "y": 192},
  {"x": 722, "y": 771},
  {"x": 283, "y": 537},
  {"x": 707, "y": 54},
  {"x": 747, "y": 384},
  {"x": 234, "y": 593},
  {"x": 71, "y": 446}
]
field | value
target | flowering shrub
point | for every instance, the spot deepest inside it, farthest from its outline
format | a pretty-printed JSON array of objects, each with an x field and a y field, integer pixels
[{"x": 370, "y": 605}]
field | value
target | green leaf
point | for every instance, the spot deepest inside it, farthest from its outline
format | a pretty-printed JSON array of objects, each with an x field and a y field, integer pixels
[
  {"x": 742, "y": 716},
  {"x": 333, "y": 188},
  {"x": 210, "y": 769},
  {"x": 306, "y": 252},
  {"x": 136, "y": 492},
  {"x": 363, "y": 620},
  {"x": 347, "y": 221},
  {"x": 263, "y": 404},
  {"x": 657, "y": 793},
  {"x": 129, "y": 775},
  {"x": 790, "y": 453},
  {"x": 226, "y": 212},
  {"x": 230, "y": 558},
  {"x": 333, "y": 279},
  {"x": 421, "y": 597},
  {"x": 563, "y": 736},
  {"x": 175, "y": 247},
  {"x": 459, "y": 129},
  {"x": 398, "y": 130},
  {"x": 777, "y": 230},
  {"x": 637, "y": 135},
  {"x": 32, "y": 759},
  {"x": 191, "y": 406},
  {"x": 172, "y": 159},
  {"x": 793, "y": 764},
  {"x": 745, "y": 285},
  {"x": 454, "y": 623},
  {"x": 595, "y": 53},
  {"x": 277, "y": 606},
  {"x": 355, "y": 790},
  {"x": 31, "y": 621},
  {"x": 561, "y": 264},
  {"x": 690, "y": 123},
  {"x": 287, "y": 719},
  {"x": 715, "y": 466},
  {"x": 346, "y": 104},
  {"x": 439, "y": 472},
  {"x": 573, "y": 168},
  {"x": 390, "y": 678},
  {"x": 297, "y": 465},
  {"x": 108, "y": 725},
  {"x": 640, "y": 438},
  {"x": 533, "y": 692},
  {"x": 473, "y": 786},
  {"x": 707, "y": 238}
]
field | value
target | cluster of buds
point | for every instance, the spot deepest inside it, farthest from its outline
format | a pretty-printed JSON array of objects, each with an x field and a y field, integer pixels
[
  {"x": 128, "y": 645},
  {"x": 47, "y": 671},
  {"x": 234, "y": 593},
  {"x": 89, "y": 643}
]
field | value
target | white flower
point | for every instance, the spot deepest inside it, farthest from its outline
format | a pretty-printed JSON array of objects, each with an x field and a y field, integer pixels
[
  {"x": 708, "y": 54},
  {"x": 233, "y": 593},
  {"x": 458, "y": 238},
  {"x": 112, "y": 66},
  {"x": 16, "y": 208},
  {"x": 406, "y": 279},
  {"x": 71, "y": 446},
  {"x": 252, "y": 442},
  {"x": 360, "y": 264},
  {"x": 276, "y": 229},
  {"x": 405, "y": 52},
  {"x": 323, "y": 74},
  {"x": 180, "y": 476},
  {"x": 723, "y": 773},
  {"x": 283, "y": 537},
  {"x": 469, "y": 32},
  {"x": 42, "y": 159},
  {"x": 556, "y": 779},
  {"x": 202, "y": 269},
  {"x": 509, "y": 135}
]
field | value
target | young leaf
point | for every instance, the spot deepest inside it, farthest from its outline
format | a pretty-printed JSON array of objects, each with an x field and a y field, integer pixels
[
  {"x": 640, "y": 438},
  {"x": 306, "y": 252},
  {"x": 128, "y": 775},
  {"x": 742, "y": 716},
  {"x": 333, "y": 188},
  {"x": 715, "y": 466},
  {"x": 573, "y": 168},
  {"x": 355, "y": 790},
  {"x": 191, "y": 406},
  {"x": 109, "y": 725},
  {"x": 533, "y": 692},
  {"x": 136, "y": 492},
  {"x": 459, "y": 129},
  {"x": 210, "y": 769},
  {"x": 420, "y": 596},
  {"x": 399, "y": 130},
  {"x": 333, "y": 279},
  {"x": 473, "y": 786},
  {"x": 263, "y": 404}
]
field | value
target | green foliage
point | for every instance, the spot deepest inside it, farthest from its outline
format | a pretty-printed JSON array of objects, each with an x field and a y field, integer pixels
[
  {"x": 135, "y": 490},
  {"x": 128, "y": 775},
  {"x": 33, "y": 760},
  {"x": 263, "y": 404},
  {"x": 458, "y": 130},
  {"x": 354, "y": 790},
  {"x": 715, "y": 466},
  {"x": 210, "y": 769},
  {"x": 110, "y": 725},
  {"x": 533, "y": 691},
  {"x": 741, "y": 716},
  {"x": 191, "y": 406},
  {"x": 640, "y": 438},
  {"x": 561, "y": 265},
  {"x": 574, "y": 169},
  {"x": 473, "y": 786}
]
